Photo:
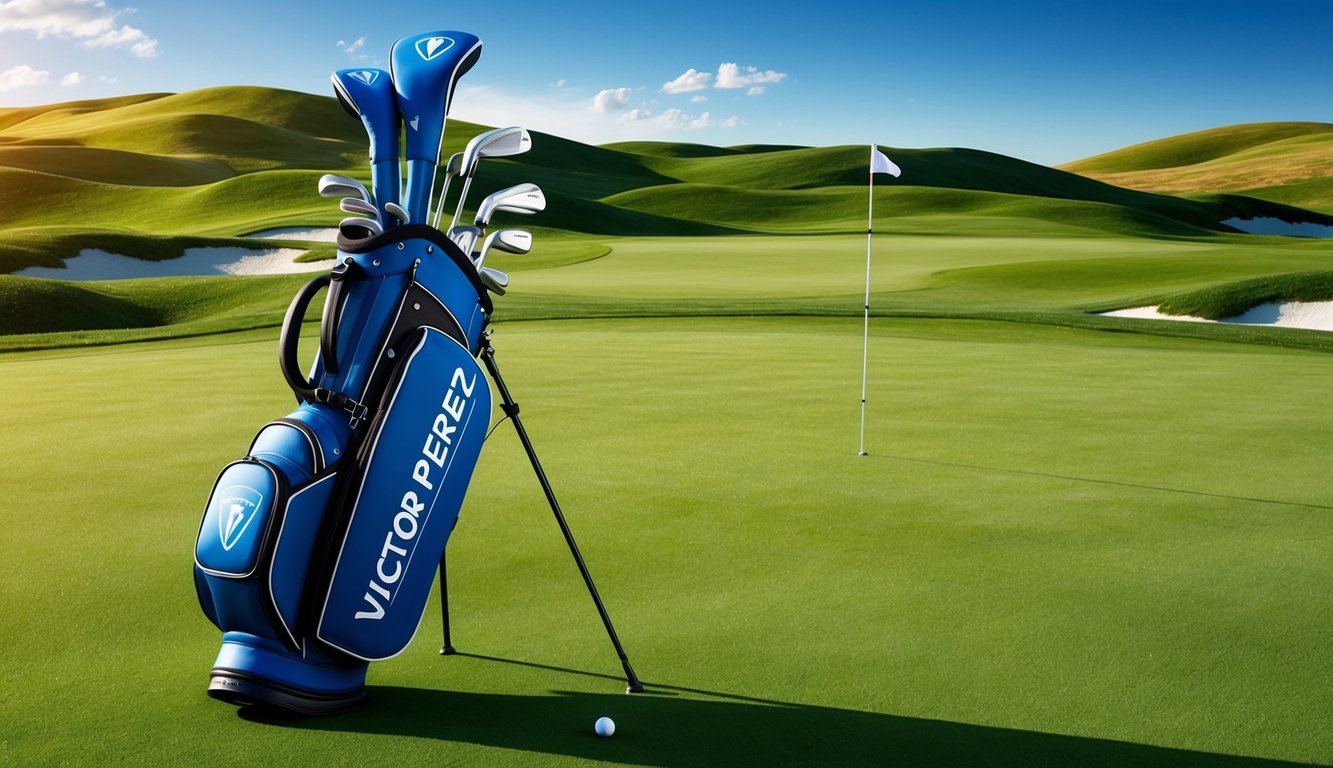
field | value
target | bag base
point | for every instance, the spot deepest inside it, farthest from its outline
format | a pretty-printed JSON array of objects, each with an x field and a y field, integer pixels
[{"x": 251, "y": 672}]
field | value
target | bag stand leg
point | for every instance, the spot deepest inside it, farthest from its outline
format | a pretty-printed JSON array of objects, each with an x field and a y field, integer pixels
[
  {"x": 448, "y": 648},
  {"x": 633, "y": 685}
]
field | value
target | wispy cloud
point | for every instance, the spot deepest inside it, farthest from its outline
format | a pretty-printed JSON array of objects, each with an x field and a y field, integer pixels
[
  {"x": 614, "y": 114},
  {"x": 73, "y": 78},
  {"x": 22, "y": 76},
  {"x": 90, "y": 21},
  {"x": 352, "y": 47},
  {"x": 732, "y": 75}
]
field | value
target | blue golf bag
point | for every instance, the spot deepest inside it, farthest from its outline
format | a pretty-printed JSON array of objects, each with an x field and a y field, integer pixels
[{"x": 317, "y": 550}]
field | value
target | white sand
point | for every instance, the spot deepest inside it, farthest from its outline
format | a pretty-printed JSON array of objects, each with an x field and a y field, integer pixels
[
  {"x": 1272, "y": 226},
  {"x": 96, "y": 264},
  {"x": 313, "y": 234},
  {"x": 1313, "y": 315}
]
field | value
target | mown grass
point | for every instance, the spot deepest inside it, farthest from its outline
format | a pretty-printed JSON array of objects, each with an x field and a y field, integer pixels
[
  {"x": 1036, "y": 564},
  {"x": 1235, "y": 298}
]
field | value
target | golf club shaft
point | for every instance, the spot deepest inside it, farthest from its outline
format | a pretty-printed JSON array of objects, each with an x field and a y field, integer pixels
[
  {"x": 511, "y": 410},
  {"x": 462, "y": 198},
  {"x": 439, "y": 209}
]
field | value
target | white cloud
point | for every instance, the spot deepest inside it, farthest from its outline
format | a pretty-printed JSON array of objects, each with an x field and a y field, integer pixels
[
  {"x": 22, "y": 76},
  {"x": 566, "y": 113},
  {"x": 353, "y": 46},
  {"x": 89, "y": 20},
  {"x": 731, "y": 75},
  {"x": 755, "y": 90},
  {"x": 611, "y": 99},
  {"x": 73, "y": 78},
  {"x": 698, "y": 99},
  {"x": 691, "y": 80},
  {"x": 558, "y": 83}
]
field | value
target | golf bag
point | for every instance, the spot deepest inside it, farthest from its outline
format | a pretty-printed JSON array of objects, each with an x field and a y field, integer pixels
[{"x": 317, "y": 550}]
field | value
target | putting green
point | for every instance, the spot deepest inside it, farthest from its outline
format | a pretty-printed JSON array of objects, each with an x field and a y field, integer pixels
[{"x": 1065, "y": 547}]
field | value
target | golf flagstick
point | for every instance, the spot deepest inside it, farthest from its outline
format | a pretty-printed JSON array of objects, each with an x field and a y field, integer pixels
[
  {"x": 510, "y": 408},
  {"x": 879, "y": 163}
]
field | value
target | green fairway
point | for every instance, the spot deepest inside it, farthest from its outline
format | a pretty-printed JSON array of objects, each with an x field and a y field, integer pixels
[{"x": 1065, "y": 547}]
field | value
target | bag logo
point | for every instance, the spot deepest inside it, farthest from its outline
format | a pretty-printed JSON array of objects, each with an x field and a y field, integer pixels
[
  {"x": 431, "y": 47},
  {"x": 237, "y": 506},
  {"x": 366, "y": 76}
]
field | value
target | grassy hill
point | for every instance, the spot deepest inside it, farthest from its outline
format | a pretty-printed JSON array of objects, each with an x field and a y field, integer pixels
[
  {"x": 1289, "y": 163},
  {"x": 151, "y": 175},
  {"x": 223, "y": 162}
]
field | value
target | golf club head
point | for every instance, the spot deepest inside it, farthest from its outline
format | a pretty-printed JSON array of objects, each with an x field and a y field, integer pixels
[
  {"x": 357, "y": 228},
  {"x": 525, "y": 199},
  {"x": 369, "y": 94},
  {"x": 398, "y": 212},
  {"x": 494, "y": 280},
  {"x": 333, "y": 185},
  {"x": 357, "y": 205},
  {"x": 425, "y": 69},
  {"x": 507, "y": 240},
  {"x": 499, "y": 142},
  {"x": 465, "y": 237}
]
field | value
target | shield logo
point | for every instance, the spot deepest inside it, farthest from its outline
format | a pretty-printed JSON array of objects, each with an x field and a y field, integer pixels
[
  {"x": 236, "y": 507},
  {"x": 366, "y": 76},
  {"x": 430, "y": 47}
]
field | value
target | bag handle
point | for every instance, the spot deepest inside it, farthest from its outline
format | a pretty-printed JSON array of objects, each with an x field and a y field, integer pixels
[
  {"x": 291, "y": 368},
  {"x": 291, "y": 336},
  {"x": 333, "y": 309}
]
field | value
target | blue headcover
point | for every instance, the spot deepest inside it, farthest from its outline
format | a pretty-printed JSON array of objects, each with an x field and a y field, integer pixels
[
  {"x": 425, "y": 69},
  {"x": 369, "y": 95}
]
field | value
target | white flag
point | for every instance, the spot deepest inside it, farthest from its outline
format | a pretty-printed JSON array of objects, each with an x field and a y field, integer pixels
[{"x": 880, "y": 163}]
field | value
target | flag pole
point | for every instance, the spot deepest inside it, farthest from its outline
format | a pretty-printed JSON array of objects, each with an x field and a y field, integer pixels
[{"x": 865, "y": 336}]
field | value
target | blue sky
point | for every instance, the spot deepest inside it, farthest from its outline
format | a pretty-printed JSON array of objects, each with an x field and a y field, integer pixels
[{"x": 1048, "y": 82}]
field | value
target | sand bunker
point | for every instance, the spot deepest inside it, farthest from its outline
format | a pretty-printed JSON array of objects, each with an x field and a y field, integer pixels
[
  {"x": 312, "y": 234},
  {"x": 1313, "y": 315},
  {"x": 95, "y": 264}
]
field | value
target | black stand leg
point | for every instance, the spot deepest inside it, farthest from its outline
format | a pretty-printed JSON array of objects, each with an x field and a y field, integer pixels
[
  {"x": 511, "y": 410},
  {"x": 448, "y": 648}
]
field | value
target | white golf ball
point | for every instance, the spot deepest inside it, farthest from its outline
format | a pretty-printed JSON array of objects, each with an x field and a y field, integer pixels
[{"x": 605, "y": 727}]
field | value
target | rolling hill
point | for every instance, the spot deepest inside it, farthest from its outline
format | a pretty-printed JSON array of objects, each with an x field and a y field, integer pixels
[
  {"x": 1289, "y": 163},
  {"x": 223, "y": 162}
]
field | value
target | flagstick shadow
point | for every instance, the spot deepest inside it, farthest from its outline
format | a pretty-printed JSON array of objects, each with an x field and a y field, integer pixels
[{"x": 710, "y": 728}]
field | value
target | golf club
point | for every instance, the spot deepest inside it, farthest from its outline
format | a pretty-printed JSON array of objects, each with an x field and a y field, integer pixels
[
  {"x": 450, "y": 171},
  {"x": 333, "y": 185},
  {"x": 357, "y": 205},
  {"x": 424, "y": 69},
  {"x": 494, "y": 280},
  {"x": 525, "y": 199},
  {"x": 507, "y": 240},
  {"x": 500, "y": 142},
  {"x": 368, "y": 94},
  {"x": 465, "y": 237},
  {"x": 398, "y": 212},
  {"x": 357, "y": 228}
]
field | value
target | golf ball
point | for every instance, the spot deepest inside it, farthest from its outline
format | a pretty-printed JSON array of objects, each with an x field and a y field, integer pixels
[{"x": 605, "y": 727}]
